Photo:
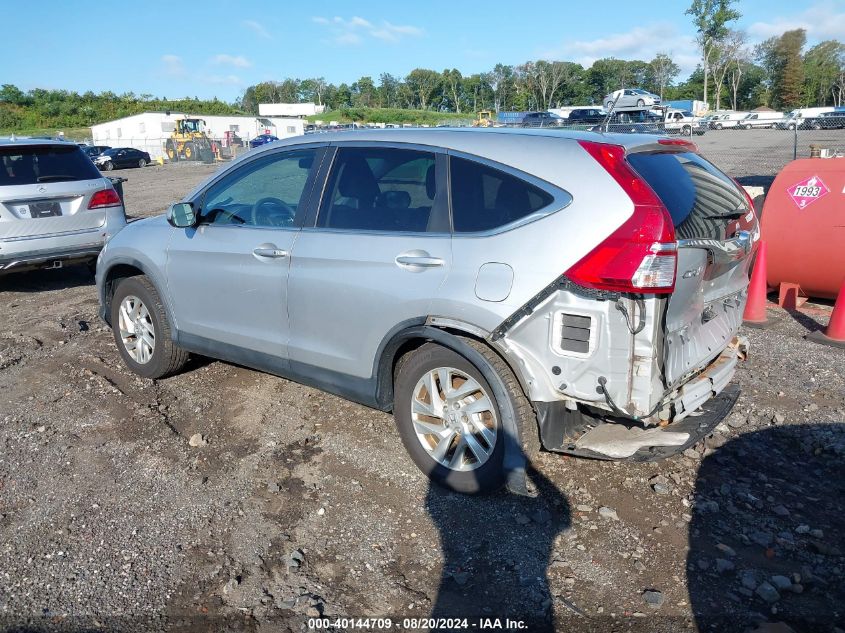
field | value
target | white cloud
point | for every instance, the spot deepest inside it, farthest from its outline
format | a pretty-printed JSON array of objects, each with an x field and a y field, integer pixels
[
  {"x": 238, "y": 61},
  {"x": 355, "y": 30},
  {"x": 641, "y": 42},
  {"x": 173, "y": 65},
  {"x": 822, "y": 21},
  {"x": 257, "y": 28}
]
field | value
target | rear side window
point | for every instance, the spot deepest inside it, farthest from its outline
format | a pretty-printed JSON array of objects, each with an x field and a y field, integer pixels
[
  {"x": 29, "y": 165},
  {"x": 701, "y": 199},
  {"x": 380, "y": 189},
  {"x": 485, "y": 198}
]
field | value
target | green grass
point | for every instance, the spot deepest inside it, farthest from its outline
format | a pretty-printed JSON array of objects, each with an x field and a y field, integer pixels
[
  {"x": 71, "y": 133},
  {"x": 390, "y": 115}
]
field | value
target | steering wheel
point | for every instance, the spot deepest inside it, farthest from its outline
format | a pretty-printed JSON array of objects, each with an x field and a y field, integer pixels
[{"x": 272, "y": 212}]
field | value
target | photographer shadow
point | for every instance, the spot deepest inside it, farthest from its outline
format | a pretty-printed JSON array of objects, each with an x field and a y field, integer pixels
[
  {"x": 767, "y": 538},
  {"x": 496, "y": 552}
]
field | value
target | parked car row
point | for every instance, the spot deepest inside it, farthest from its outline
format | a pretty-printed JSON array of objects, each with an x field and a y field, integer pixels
[
  {"x": 413, "y": 272},
  {"x": 800, "y": 119}
]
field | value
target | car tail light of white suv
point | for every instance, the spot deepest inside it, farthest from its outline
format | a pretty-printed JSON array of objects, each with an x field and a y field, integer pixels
[{"x": 104, "y": 198}]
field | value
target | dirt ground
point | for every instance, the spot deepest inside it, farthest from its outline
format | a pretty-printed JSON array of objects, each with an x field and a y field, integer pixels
[{"x": 299, "y": 504}]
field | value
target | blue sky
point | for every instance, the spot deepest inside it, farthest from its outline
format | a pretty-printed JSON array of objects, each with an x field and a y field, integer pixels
[{"x": 222, "y": 46}]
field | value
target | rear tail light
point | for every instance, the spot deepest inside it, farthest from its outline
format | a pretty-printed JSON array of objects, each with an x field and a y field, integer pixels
[
  {"x": 639, "y": 256},
  {"x": 104, "y": 198}
]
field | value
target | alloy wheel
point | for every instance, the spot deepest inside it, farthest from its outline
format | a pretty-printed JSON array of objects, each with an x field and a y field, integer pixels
[
  {"x": 454, "y": 419},
  {"x": 136, "y": 329}
]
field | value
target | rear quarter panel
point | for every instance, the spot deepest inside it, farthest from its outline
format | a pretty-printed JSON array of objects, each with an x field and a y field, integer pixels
[{"x": 542, "y": 250}]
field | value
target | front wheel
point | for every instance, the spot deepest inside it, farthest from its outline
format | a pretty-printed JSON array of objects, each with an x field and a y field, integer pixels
[
  {"x": 718, "y": 126},
  {"x": 640, "y": 103},
  {"x": 686, "y": 130},
  {"x": 748, "y": 127},
  {"x": 141, "y": 330},
  {"x": 450, "y": 421}
]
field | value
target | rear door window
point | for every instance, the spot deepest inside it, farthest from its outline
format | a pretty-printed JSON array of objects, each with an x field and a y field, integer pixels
[
  {"x": 485, "y": 198},
  {"x": 380, "y": 189},
  {"x": 702, "y": 201},
  {"x": 34, "y": 164}
]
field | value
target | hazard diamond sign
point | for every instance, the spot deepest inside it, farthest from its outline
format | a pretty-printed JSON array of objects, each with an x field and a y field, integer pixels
[{"x": 807, "y": 191}]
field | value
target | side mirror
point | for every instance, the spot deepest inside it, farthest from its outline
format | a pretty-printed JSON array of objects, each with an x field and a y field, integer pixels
[{"x": 181, "y": 215}]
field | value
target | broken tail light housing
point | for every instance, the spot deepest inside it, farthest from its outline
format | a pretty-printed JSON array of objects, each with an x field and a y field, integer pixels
[{"x": 641, "y": 256}]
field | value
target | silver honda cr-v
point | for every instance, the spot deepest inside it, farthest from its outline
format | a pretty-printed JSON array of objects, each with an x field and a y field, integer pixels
[
  {"x": 55, "y": 206},
  {"x": 495, "y": 289}
]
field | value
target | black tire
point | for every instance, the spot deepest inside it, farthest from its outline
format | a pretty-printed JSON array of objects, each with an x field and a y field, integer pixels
[
  {"x": 166, "y": 358},
  {"x": 640, "y": 103},
  {"x": 142, "y": 163},
  {"x": 686, "y": 130},
  {"x": 748, "y": 126},
  {"x": 190, "y": 152},
  {"x": 490, "y": 476},
  {"x": 718, "y": 126},
  {"x": 108, "y": 166}
]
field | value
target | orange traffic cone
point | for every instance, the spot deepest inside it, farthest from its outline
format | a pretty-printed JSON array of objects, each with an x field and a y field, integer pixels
[
  {"x": 755, "y": 308},
  {"x": 834, "y": 334}
]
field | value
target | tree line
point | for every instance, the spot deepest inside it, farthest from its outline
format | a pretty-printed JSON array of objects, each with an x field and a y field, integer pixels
[
  {"x": 48, "y": 109},
  {"x": 781, "y": 73}
]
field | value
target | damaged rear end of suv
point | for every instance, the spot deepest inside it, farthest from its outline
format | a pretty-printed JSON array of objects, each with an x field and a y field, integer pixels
[{"x": 630, "y": 353}]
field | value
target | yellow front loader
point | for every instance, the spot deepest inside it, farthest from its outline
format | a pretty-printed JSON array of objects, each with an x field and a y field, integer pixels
[{"x": 188, "y": 141}]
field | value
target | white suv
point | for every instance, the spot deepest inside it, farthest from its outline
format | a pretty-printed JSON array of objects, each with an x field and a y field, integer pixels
[{"x": 55, "y": 206}]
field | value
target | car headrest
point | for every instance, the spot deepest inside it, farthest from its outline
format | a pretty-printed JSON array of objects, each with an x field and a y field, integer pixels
[
  {"x": 357, "y": 181},
  {"x": 394, "y": 200},
  {"x": 430, "y": 183}
]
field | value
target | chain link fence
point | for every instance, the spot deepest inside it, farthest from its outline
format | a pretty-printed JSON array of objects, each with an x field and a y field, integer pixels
[{"x": 220, "y": 148}]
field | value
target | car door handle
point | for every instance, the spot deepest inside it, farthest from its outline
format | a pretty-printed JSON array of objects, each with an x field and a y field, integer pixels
[
  {"x": 269, "y": 250},
  {"x": 419, "y": 261}
]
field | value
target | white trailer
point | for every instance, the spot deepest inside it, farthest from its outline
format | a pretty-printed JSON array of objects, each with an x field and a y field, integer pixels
[{"x": 149, "y": 131}]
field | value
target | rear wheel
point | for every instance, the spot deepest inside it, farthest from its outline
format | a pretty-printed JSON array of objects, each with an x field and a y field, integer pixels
[
  {"x": 142, "y": 163},
  {"x": 108, "y": 166},
  {"x": 450, "y": 422},
  {"x": 141, "y": 330}
]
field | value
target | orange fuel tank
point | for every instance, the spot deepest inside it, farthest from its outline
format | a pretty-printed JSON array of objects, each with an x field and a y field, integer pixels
[{"x": 803, "y": 223}]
